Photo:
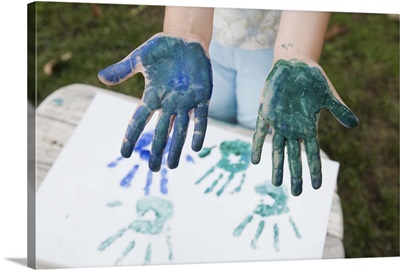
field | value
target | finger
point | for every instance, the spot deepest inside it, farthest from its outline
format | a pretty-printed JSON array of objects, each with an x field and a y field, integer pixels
[
  {"x": 314, "y": 162},
  {"x": 293, "y": 148},
  {"x": 260, "y": 133},
  {"x": 159, "y": 142},
  {"x": 278, "y": 156},
  {"x": 178, "y": 139},
  {"x": 342, "y": 113},
  {"x": 135, "y": 128},
  {"x": 120, "y": 71},
  {"x": 200, "y": 125}
]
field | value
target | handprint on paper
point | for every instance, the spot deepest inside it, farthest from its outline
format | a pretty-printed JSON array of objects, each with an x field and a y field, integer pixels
[
  {"x": 263, "y": 211},
  {"x": 235, "y": 158},
  {"x": 162, "y": 210},
  {"x": 142, "y": 151}
]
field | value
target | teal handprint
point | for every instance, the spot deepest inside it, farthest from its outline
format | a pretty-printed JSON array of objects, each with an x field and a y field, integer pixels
[
  {"x": 263, "y": 211},
  {"x": 235, "y": 158},
  {"x": 293, "y": 97},
  {"x": 178, "y": 79},
  {"x": 163, "y": 212}
]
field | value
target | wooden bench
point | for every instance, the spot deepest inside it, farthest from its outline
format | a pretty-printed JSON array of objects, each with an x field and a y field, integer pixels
[{"x": 58, "y": 115}]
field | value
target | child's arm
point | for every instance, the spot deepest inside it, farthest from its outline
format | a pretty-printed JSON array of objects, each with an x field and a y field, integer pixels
[
  {"x": 301, "y": 35},
  {"x": 189, "y": 22}
]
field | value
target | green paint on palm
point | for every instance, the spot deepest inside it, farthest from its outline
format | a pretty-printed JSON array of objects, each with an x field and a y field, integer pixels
[{"x": 293, "y": 97}]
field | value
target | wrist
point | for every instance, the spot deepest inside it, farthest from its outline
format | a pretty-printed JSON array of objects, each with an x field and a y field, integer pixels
[
  {"x": 289, "y": 51},
  {"x": 301, "y": 35},
  {"x": 189, "y": 23}
]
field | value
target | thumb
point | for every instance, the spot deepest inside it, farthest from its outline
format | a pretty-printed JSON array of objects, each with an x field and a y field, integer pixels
[
  {"x": 342, "y": 113},
  {"x": 120, "y": 71}
]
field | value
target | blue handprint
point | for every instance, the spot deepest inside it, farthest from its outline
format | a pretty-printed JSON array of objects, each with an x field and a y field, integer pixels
[
  {"x": 141, "y": 149},
  {"x": 178, "y": 79},
  {"x": 235, "y": 158},
  {"x": 263, "y": 211},
  {"x": 163, "y": 212}
]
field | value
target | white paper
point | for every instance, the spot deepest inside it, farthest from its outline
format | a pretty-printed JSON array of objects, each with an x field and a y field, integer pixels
[{"x": 81, "y": 202}]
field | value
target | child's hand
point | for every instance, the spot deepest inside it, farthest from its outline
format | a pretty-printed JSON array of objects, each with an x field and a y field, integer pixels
[
  {"x": 178, "y": 78},
  {"x": 293, "y": 97}
]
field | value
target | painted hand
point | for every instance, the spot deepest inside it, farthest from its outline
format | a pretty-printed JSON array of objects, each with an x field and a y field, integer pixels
[
  {"x": 142, "y": 151},
  {"x": 264, "y": 211},
  {"x": 162, "y": 210},
  {"x": 293, "y": 97},
  {"x": 235, "y": 158},
  {"x": 178, "y": 79}
]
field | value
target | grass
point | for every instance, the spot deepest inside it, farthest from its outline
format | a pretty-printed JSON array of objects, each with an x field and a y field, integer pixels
[{"x": 362, "y": 62}]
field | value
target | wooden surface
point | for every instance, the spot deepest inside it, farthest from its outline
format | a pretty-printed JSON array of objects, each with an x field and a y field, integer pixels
[{"x": 58, "y": 115}]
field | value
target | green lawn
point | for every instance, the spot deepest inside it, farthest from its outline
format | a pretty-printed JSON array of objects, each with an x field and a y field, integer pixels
[{"x": 362, "y": 62}]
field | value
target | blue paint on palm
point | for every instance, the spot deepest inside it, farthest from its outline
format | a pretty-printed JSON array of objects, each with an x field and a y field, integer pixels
[
  {"x": 178, "y": 79},
  {"x": 293, "y": 97}
]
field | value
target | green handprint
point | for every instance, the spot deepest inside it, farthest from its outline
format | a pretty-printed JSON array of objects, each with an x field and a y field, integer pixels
[
  {"x": 235, "y": 158},
  {"x": 293, "y": 97},
  {"x": 163, "y": 211},
  {"x": 279, "y": 207}
]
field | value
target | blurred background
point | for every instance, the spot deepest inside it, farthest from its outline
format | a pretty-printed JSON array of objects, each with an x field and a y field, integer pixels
[{"x": 360, "y": 56}]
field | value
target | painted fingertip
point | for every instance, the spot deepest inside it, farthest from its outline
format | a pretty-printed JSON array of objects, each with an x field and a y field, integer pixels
[
  {"x": 316, "y": 180},
  {"x": 105, "y": 77},
  {"x": 353, "y": 121},
  {"x": 127, "y": 149},
  {"x": 197, "y": 142},
  {"x": 277, "y": 177},
  {"x": 255, "y": 157},
  {"x": 173, "y": 160},
  {"x": 155, "y": 163},
  {"x": 297, "y": 186}
]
